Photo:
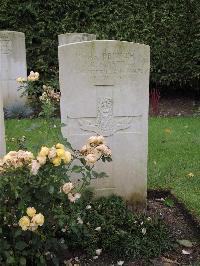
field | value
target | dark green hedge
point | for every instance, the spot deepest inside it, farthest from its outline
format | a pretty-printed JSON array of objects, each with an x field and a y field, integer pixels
[{"x": 170, "y": 27}]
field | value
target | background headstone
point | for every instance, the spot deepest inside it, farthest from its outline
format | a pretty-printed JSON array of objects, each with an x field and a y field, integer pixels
[
  {"x": 104, "y": 87},
  {"x": 2, "y": 130},
  {"x": 12, "y": 65},
  {"x": 75, "y": 37}
]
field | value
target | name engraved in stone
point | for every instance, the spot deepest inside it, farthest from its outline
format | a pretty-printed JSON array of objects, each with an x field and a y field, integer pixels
[
  {"x": 111, "y": 63},
  {"x": 5, "y": 45}
]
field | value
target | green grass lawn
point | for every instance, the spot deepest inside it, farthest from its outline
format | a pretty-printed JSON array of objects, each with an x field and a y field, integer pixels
[{"x": 174, "y": 152}]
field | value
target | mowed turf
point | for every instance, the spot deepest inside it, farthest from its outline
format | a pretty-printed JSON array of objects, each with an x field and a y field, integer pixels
[
  {"x": 174, "y": 158},
  {"x": 174, "y": 152}
]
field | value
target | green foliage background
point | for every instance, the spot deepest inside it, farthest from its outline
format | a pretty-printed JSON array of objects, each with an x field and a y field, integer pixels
[{"x": 170, "y": 27}]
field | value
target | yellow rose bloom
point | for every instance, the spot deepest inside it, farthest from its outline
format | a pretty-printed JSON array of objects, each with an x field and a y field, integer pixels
[
  {"x": 31, "y": 211},
  {"x": 60, "y": 146},
  {"x": 44, "y": 151},
  {"x": 56, "y": 161},
  {"x": 60, "y": 153},
  {"x": 67, "y": 157},
  {"x": 38, "y": 219},
  {"x": 24, "y": 222}
]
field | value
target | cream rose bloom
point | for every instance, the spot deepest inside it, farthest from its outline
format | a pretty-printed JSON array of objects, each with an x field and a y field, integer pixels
[
  {"x": 67, "y": 187},
  {"x": 44, "y": 151},
  {"x": 42, "y": 159},
  {"x": 31, "y": 78},
  {"x": 37, "y": 74},
  {"x": 31, "y": 211},
  {"x": 100, "y": 139},
  {"x": 24, "y": 223},
  {"x": 38, "y": 219},
  {"x": 20, "y": 80}
]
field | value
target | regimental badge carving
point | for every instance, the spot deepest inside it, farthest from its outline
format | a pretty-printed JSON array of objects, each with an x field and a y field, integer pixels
[{"x": 105, "y": 123}]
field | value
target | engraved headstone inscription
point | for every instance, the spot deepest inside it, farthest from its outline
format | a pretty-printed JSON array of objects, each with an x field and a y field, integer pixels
[
  {"x": 12, "y": 65},
  {"x": 104, "y": 86}
]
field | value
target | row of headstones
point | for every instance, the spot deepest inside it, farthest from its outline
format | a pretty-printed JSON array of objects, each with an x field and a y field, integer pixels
[
  {"x": 104, "y": 90},
  {"x": 13, "y": 60},
  {"x": 13, "y": 65}
]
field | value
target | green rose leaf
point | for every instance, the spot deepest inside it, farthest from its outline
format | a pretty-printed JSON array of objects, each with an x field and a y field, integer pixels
[{"x": 20, "y": 245}]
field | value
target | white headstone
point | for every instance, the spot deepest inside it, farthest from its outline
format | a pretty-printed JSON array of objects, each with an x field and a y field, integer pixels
[
  {"x": 104, "y": 87},
  {"x": 12, "y": 65},
  {"x": 2, "y": 130},
  {"x": 75, "y": 37}
]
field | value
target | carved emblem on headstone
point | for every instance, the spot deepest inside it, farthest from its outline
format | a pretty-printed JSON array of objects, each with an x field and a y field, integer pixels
[
  {"x": 105, "y": 123},
  {"x": 5, "y": 45}
]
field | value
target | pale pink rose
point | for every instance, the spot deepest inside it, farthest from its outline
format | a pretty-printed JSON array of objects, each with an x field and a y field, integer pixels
[
  {"x": 96, "y": 152},
  {"x": 35, "y": 166},
  {"x": 104, "y": 150},
  {"x": 12, "y": 155},
  {"x": 93, "y": 140},
  {"x": 17, "y": 164},
  {"x": 33, "y": 227},
  {"x": 91, "y": 158},
  {"x": 73, "y": 197},
  {"x": 83, "y": 150},
  {"x": 52, "y": 153},
  {"x": 107, "y": 152}
]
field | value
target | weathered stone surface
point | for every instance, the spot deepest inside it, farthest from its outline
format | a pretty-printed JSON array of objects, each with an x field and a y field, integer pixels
[
  {"x": 104, "y": 87},
  {"x": 75, "y": 37},
  {"x": 2, "y": 130},
  {"x": 12, "y": 65}
]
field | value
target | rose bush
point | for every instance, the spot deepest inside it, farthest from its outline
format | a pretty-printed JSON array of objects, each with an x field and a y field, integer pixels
[
  {"x": 44, "y": 181},
  {"x": 38, "y": 94},
  {"x": 47, "y": 210}
]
